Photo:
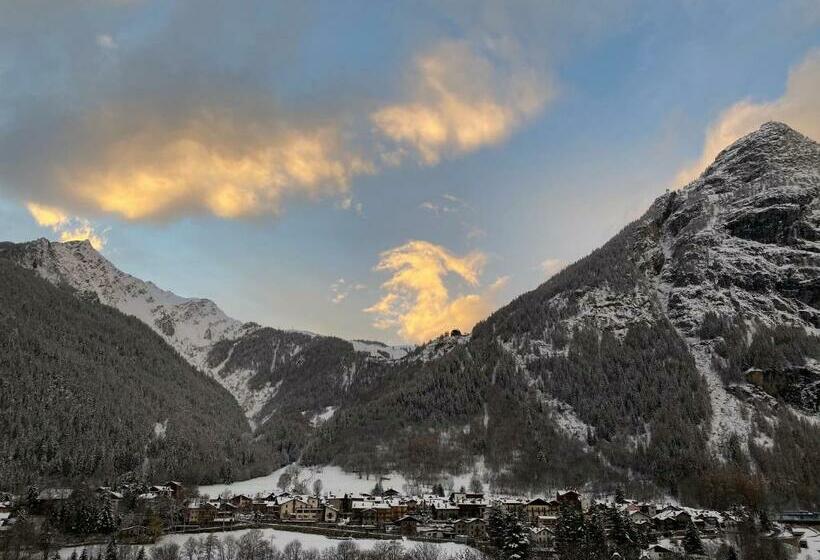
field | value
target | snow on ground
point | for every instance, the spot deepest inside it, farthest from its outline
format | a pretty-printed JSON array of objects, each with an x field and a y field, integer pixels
[
  {"x": 278, "y": 538},
  {"x": 380, "y": 350},
  {"x": 729, "y": 414},
  {"x": 324, "y": 416},
  {"x": 812, "y": 538},
  {"x": 337, "y": 481},
  {"x": 334, "y": 481}
]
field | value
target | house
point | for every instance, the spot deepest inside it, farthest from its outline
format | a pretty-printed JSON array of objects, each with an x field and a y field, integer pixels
[
  {"x": 471, "y": 507},
  {"x": 435, "y": 530},
  {"x": 288, "y": 507},
  {"x": 199, "y": 512},
  {"x": 161, "y": 490},
  {"x": 671, "y": 518},
  {"x": 176, "y": 488},
  {"x": 391, "y": 493},
  {"x": 330, "y": 514},
  {"x": 546, "y": 521},
  {"x": 408, "y": 525},
  {"x": 514, "y": 506},
  {"x": 542, "y": 537},
  {"x": 474, "y": 528},
  {"x": 242, "y": 502},
  {"x": 537, "y": 507},
  {"x": 444, "y": 510}
]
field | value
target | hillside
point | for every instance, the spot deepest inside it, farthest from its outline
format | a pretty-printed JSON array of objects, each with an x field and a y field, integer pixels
[
  {"x": 684, "y": 352},
  {"x": 87, "y": 393}
]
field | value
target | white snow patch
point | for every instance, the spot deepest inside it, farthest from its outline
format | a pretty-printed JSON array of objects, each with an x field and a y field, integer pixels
[{"x": 323, "y": 416}]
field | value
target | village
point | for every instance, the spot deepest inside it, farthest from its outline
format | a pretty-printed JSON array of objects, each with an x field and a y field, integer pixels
[{"x": 141, "y": 514}]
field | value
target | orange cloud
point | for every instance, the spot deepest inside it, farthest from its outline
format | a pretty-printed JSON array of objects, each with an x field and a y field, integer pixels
[
  {"x": 207, "y": 165},
  {"x": 69, "y": 229},
  {"x": 462, "y": 102},
  {"x": 798, "y": 107},
  {"x": 417, "y": 301}
]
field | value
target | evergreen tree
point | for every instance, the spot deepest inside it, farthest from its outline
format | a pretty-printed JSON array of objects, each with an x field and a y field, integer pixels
[
  {"x": 691, "y": 540},
  {"x": 111, "y": 551},
  {"x": 731, "y": 554},
  {"x": 619, "y": 495},
  {"x": 508, "y": 535},
  {"x": 73, "y": 555},
  {"x": 84, "y": 554},
  {"x": 141, "y": 554},
  {"x": 595, "y": 545},
  {"x": 569, "y": 533}
]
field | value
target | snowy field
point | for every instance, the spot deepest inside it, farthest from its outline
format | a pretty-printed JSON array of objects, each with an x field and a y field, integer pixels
[
  {"x": 812, "y": 538},
  {"x": 334, "y": 481},
  {"x": 277, "y": 538}
]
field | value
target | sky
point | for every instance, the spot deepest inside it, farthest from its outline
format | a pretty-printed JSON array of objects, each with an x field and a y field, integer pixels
[{"x": 377, "y": 170}]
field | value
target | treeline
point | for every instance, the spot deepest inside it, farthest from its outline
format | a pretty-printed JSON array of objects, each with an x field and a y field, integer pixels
[{"x": 89, "y": 394}]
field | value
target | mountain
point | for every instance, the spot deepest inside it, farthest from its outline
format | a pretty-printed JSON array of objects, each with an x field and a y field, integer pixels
[
  {"x": 681, "y": 357},
  {"x": 683, "y": 353},
  {"x": 89, "y": 394},
  {"x": 245, "y": 358}
]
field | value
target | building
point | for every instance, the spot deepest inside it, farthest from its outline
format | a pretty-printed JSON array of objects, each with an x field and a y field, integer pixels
[
  {"x": 537, "y": 508},
  {"x": 542, "y": 537},
  {"x": 474, "y": 528}
]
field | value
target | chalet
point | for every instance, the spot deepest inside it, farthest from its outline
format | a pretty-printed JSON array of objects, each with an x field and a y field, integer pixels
[
  {"x": 435, "y": 530},
  {"x": 471, "y": 507},
  {"x": 443, "y": 511},
  {"x": 474, "y": 528},
  {"x": 458, "y": 497},
  {"x": 638, "y": 518},
  {"x": 407, "y": 525},
  {"x": 391, "y": 493},
  {"x": 546, "y": 521},
  {"x": 161, "y": 490},
  {"x": 571, "y": 498},
  {"x": 288, "y": 507},
  {"x": 372, "y": 513},
  {"x": 671, "y": 518},
  {"x": 176, "y": 488},
  {"x": 242, "y": 502},
  {"x": 659, "y": 551},
  {"x": 514, "y": 506},
  {"x": 199, "y": 512},
  {"x": 542, "y": 537},
  {"x": 537, "y": 507},
  {"x": 330, "y": 514}
]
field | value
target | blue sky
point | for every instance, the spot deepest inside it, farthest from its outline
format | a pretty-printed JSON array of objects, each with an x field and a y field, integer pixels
[{"x": 377, "y": 170}]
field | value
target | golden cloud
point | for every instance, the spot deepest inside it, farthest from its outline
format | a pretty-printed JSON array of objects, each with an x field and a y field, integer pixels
[
  {"x": 69, "y": 229},
  {"x": 417, "y": 301},
  {"x": 798, "y": 107},
  {"x": 212, "y": 164},
  {"x": 462, "y": 102}
]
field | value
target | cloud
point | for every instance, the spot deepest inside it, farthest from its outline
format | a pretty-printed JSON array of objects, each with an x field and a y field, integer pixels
[
  {"x": 212, "y": 162},
  {"x": 340, "y": 290},
  {"x": 69, "y": 229},
  {"x": 221, "y": 111},
  {"x": 799, "y": 107},
  {"x": 445, "y": 204},
  {"x": 417, "y": 301},
  {"x": 551, "y": 267},
  {"x": 106, "y": 41},
  {"x": 461, "y": 101}
]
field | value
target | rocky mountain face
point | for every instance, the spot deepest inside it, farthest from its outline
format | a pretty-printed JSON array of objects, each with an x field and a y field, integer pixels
[
  {"x": 683, "y": 352},
  {"x": 682, "y": 355}
]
